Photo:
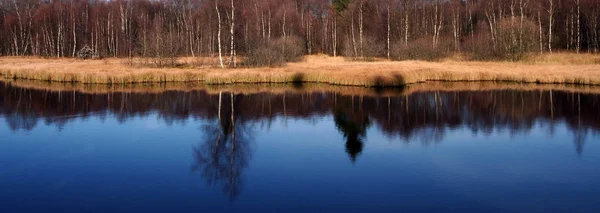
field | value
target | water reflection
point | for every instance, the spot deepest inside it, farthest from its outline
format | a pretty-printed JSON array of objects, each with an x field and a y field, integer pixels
[
  {"x": 224, "y": 152},
  {"x": 353, "y": 124},
  {"x": 228, "y": 121},
  {"x": 412, "y": 117}
]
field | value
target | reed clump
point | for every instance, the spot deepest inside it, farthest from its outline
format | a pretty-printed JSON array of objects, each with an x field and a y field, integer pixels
[{"x": 573, "y": 69}]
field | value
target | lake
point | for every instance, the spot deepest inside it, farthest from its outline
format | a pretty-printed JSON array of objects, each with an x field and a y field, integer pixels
[{"x": 299, "y": 148}]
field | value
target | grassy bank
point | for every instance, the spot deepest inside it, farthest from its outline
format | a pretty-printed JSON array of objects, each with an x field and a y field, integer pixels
[{"x": 556, "y": 68}]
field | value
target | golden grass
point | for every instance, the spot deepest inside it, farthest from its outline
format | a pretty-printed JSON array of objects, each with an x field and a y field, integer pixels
[
  {"x": 314, "y": 69},
  {"x": 563, "y": 59}
]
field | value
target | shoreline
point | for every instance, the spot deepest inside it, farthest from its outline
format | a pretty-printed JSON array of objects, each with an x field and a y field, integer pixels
[
  {"x": 315, "y": 69},
  {"x": 248, "y": 89}
]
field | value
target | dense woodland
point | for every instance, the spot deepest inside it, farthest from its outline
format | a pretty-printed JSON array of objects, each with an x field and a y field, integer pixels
[{"x": 397, "y": 29}]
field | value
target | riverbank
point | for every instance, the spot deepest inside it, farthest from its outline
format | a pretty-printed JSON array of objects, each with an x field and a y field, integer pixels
[
  {"x": 556, "y": 69},
  {"x": 314, "y": 88}
]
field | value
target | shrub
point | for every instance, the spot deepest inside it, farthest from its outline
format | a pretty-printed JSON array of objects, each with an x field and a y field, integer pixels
[
  {"x": 161, "y": 49},
  {"x": 163, "y": 53},
  {"x": 293, "y": 48},
  {"x": 421, "y": 49},
  {"x": 275, "y": 52},
  {"x": 348, "y": 49},
  {"x": 87, "y": 53},
  {"x": 481, "y": 48},
  {"x": 512, "y": 43},
  {"x": 371, "y": 49}
]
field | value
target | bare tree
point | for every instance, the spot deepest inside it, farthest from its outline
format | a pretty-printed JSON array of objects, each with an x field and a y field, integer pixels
[
  {"x": 406, "y": 21},
  {"x": 127, "y": 28},
  {"x": 550, "y": 11},
  {"x": 437, "y": 22},
  {"x": 360, "y": 27},
  {"x": 219, "y": 33},
  {"x": 232, "y": 28},
  {"x": 578, "y": 45},
  {"x": 389, "y": 28}
]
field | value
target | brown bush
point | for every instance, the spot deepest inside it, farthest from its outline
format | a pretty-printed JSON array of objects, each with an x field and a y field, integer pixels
[
  {"x": 515, "y": 42},
  {"x": 348, "y": 49},
  {"x": 512, "y": 43},
  {"x": 371, "y": 49},
  {"x": 481, "y": 48},
  {"x": 275, "y": 52},
  {"x": 421, "y": 49},
  {"x": 87, "y": 53},
  {"x": 161, "y": 50}
]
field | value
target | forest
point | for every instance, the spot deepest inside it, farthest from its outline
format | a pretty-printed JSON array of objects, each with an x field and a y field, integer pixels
[{"x": 393, "y": 29}]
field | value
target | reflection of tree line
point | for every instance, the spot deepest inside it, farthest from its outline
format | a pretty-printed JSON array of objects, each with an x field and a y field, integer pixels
[
  {"x": 225, "y": 150},
  {"x": 419, "y": 116}
]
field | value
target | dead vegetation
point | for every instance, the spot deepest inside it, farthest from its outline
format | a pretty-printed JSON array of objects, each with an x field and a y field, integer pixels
[
  {"x": 274, "y": 53},
  {"x": 560, "y": 69}
]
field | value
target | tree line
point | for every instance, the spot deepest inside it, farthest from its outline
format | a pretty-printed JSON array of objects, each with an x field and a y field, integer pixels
[{"x": 396, "y": 29}]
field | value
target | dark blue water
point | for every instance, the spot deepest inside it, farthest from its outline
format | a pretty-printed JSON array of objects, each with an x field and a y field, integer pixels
[{"x": 299, "y": 151}]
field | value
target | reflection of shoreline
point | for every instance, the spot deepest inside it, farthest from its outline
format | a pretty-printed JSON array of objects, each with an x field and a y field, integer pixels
[
  {"x": 423, "y": 116},
  {"x": 248, "y": 89}
]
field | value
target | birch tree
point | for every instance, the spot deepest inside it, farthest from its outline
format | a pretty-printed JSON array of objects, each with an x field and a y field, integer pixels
[
  {"x": 232, "y": 32},
  {"x": 219, "y": 33}
]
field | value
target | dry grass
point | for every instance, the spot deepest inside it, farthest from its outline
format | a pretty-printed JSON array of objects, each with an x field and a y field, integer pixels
[
  {"x": 563, "y": 59},
  {"x": 571, "y": 69}
]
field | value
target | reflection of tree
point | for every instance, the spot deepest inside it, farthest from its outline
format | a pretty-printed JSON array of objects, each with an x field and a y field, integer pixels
[
  {"x": 423, "y": 117},
  {"x": 354, "y": 128},
  {"x": 225, "y": 150},
  {"x": 579, "y": 133},
  {"x": 16, "y": 121}
]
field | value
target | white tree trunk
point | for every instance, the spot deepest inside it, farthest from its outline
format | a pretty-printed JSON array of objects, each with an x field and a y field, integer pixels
[
  {"x": 578, "y": 26},
  {"x": 389, "y": 28},
  {"x": 335, "y": 35},
  {"x": 406, "y": 22},
  {"x": 360, "y": 33},
  {"x": 353, "y": 38},
  {"x": 219, "y": 34},
  {"x": 541, "y": 32},
  {"x": 550, "y": 22},
  {"x": 232, "y": 32}
]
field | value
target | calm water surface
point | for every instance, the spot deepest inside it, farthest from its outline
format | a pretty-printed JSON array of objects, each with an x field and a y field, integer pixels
[{"x": 492, "y": 150}]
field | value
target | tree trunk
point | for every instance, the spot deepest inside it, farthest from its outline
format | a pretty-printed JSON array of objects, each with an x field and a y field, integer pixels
[
  {"x": 284, "y": 34},
  {"x": 335, "y": 35},
  {"x": 232, "y": 32},
  {"x": 521, "y": 30},
  {"x": 353, "y": 37},
  {"x": 578, "y": 47},
  {"x": 595, "y": 30},
  {"x": 360, "y": 26},
  {"x": 456, "y": 25},
  {"x": 437, "y": 23},
  {"x": 550, "y": 22},
  {"x": 73, "y": 30},
  {"x": 389, "y": 28},
  {"x": 219, "y": 34},
  {"x": 406, "y": 22},
  {"x": 541, "y": 32}
]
